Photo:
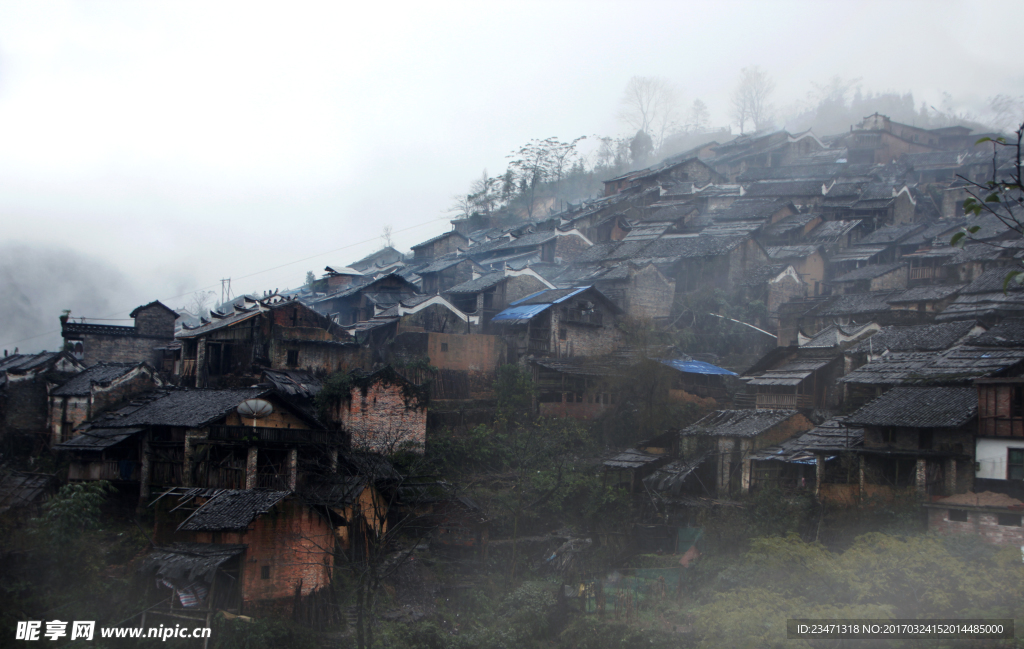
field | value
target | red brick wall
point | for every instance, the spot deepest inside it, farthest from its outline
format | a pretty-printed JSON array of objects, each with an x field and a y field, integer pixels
[{"x": 383, "y": 418}]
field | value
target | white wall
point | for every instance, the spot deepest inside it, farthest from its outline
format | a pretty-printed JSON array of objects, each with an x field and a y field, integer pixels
[{"x": 990, "y": 453}]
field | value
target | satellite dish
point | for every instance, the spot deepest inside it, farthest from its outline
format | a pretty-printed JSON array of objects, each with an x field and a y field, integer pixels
[{"x": 255, "y": 408}]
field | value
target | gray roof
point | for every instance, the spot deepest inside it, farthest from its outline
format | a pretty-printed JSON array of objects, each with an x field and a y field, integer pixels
[
  {"x": 633, "y": 459},
  {"x": 335, "y": 491},
  {"x": 671, "y": 477},
  {"x": 992, "y": 281},
  {"x": 915, "y": 338},
  {"x": 919, "y": 407},
  {"x": 27, "y": 362},
  {"x": 789, "y": 223},
  {"x": 836, "y": 334},
  {"x": 891, "y": 234},
  {"x": 738, "y": 423},
  {"x": 857, "y": 253},
  {"x": 785, "y": 188},
  {"x": 187, "y": 408},
  {"x": 1008, "y": 333},
  {"x": 959, "y": 364},
  {"x": 855, "y": 304},
  {"x": 185, "y": 563},
  {"x": 98, "y": 374},
  {"x": 19, "y": 489},
  {"x": 832, "y": 230},
  {"x": 778, "y": 253},
  {"x": 97, "y": 439},
  {"x": 925, "y": 293},
  {"x": 479, "y": 284},
  {"x": 981, "y": 305},
  {"x": 232, "y": 509},
  {"x": 831, "y": 437},
  {"x": 869, "y": 272}
]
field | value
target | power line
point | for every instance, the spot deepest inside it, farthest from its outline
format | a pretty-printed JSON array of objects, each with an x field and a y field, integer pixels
[{"x": 212, "y": 286}]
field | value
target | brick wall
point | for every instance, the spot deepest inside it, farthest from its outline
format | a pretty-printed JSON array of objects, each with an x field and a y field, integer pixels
[
  {"x": 650, "y": 294},
  {"x": 295, "y": 543},
  {"x": 155, "y": 321},
  {"x": 98, "y": 348},
  {"x": 983, "y": 524},
  {"x": 569, "y": 247},
  {"x": 381, "y": 417}
]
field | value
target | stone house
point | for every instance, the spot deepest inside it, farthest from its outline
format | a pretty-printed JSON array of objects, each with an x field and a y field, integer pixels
[
  {"x": 341, "y": 277},
  {"x": 96, "y": 389},
  {"x": 442, "y": 274},
  {"x": 809, "y": 262},
  {"x": 561, "y": 323},
  {"x": 691, "y": 170},
  {"x": 24, "y": 382},
  {"x": 439, "y": 246},
  {"x": 488, "y": 294},
  {"x": 380, "y": 262},
  {"x": 145, "y": 341},
  {"x": 275, "y": 333},
  {"x": 464, "y": 365},
  {"x": 359, "y": 303},
  {"x": 876, "y": 277}
]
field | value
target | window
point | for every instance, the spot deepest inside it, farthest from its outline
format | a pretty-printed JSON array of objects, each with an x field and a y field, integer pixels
[
  {"x": 1015, "y": 464},
  {"x": 293, "y": 358},
  {"x": 1010, "y": 520},
  {"x": 924, "y": 440},
  {"x": 1017, "y": 402},
  {"x": 264, "y": 572},
  {"x": 444, "y": 347},
  {"x": 888, "y": 435},
  {"x": 563, "y": 333},
  {"x": 958, "y": 515}
]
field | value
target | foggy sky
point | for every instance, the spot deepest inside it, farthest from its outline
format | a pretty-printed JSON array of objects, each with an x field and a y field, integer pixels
[{"x": 179, "y": 143}]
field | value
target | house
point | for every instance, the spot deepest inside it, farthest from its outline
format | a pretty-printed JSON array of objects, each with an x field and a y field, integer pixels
[
  {"x": 561, "y": 323},
  {"x": 488, "y": 294},
  {"x": 439, "y": 246},
  {"x": 383, "y": 412},
  {"x": 807, "y": 260},
  {"x": 991, "y": 517},
  {"x": 876, "y": 277},
  {"x": 462, "y": 366},
  {"x": 999, "y": 448},
  {"x": 730, "y": 437},
  {"x": 691, "y": 170},
  {"x": 698, "y": 378},
  {"x": 94, "y": 390},
  {"x": 446, "y": 272},
  {"x": 242, "y": 438},
  {"x": 381, "y": 262},
  {"x": 986, "y": 299},
  {"x": 273, "y": 333},
  {"x": 630, "y": 468},
  {"x": 640, "y": 289},
  {"x": 255, "y": 552},
  {"x": 799, "y": 377},
  {"x": 24, "y": 381},
  {"x": 360, "y": 303},
  {"x": 917, "y": 439},
  {"x": 819, "y": 461},
  {"x": 341, "y": 277},
  {"x": 145, "y": 341},
  {"x": 357, "y": 509}
]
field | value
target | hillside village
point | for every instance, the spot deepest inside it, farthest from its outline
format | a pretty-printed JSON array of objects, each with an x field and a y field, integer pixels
[{"x": 777, "y": 313}]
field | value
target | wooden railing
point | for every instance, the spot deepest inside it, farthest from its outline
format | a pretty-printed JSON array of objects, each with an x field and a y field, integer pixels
[
  {"x": 784, "y": 401},
  {"x": 111, "y": 470},
  {"x": 744, "y": 400},
  {"x": 272, "y": 481},
  {"x": 924, "y": 272},
  {"x": 272, "y": 435}
]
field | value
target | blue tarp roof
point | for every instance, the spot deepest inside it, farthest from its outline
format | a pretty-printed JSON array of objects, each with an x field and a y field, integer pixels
[
  {"x": 519, "y": 314},
  {"x": 696, "y": 367}
]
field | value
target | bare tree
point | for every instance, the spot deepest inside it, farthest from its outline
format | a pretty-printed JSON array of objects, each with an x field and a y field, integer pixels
[
  {"x": 199, "y": 306},
  {"x": 649, "y": 104},
  {"x": 751, "y": 101},
  {"x": 386, "y": 238},
  {"x": 698, "y": 119},
  {"x": 1007, "y": 111}
]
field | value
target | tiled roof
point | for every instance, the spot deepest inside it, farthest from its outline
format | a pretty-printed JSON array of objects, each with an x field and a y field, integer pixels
[
  {"x": 991, "y": 281},
  {"x": 919, "y": 407},
  {"x": 959, "y": 364},
  {"x": 752, "y": 209},
  {"x": 187, "y": 408},
  {"x": 793, "y": 172},
  {"x": 439, "y": 237},
  {"x": 779, "y": 253},
  {"x": 981, "y": 305},
  {"x": 857, "y": 253},
  {"x": 831, "y": 230},
  {"x": 925, "y": 293},
  {"x": 1008, "y": 333},
  {"x": 97, "y": 439},
  {"x": 99, "y": 374},
  {"x": 27, "y": 362},
  {"x": 738, "y": 423},
  {"x": 870, "y": 271},
  {"x": 785, "y": 188},
  {"x": 891, "y": 234},
  {"x": 19, "y": 489},
  {"x": 633, "y": 459},
  {"x": 915, "y": 338},
  {"x": 855, "y": 304},
  {"x": 185, "y": 563},
  {"x": 789, "y": 224},
  {"x": 832, "y": 437},
  {"x": 479, "y": 284},
  {"x": 232, "y": 509},
  {"x": 792, "y": 373}
]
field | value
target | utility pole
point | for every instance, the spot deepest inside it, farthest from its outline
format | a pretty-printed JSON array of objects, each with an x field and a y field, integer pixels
[{"x": 225, "y": 290}]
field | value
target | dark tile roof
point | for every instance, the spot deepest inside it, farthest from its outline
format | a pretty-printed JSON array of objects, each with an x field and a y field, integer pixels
[
  {"x": 915, "y": 338},
  {"x": 19, "y": 489},
  {"x": 991, "y": 281},
  {"x": 856, "y": 253},
  {"x": 855, "y": 304},
  {"x": 986, "y": 251},
  {"x": 919, "y": 407},
  {"x": 792, "y": 373},
  {"x": 925, "y": 293},
  {"x": 780, "y": 253},
  {"x": 738, "y": 423},
  {"x": 783, "y": 188},
  {"x": 232, "y": 509},
  {"x": 749, "y": 209},
  {"x": 870, "y": 271},
  {"x": 97, "y": 439},
  {"x": 789, "y": 224},
  {"x": 633, "y": 459},
  {"x": 335, "y": 490},
  {"x": 835, "y": 335},
  {"x": 981, "y": 305},
  {"x": 185, "y": 563},
  {"x": 819, "y": 172},
  {"x": 671, "y": 477},
  {"x": 1008, "y": 333},
  {"x": 293, "y": 383},
  {"x": 891, "y": 234},
  {"x": 959, "y": 364},
  {"x": 99, "y": 374},
  {"x": 690, "y": 247},
  {"x": 830, "y": 231},
  {"x": 479, "y": 284},
  {"x": 439, "y": 237},
  {"x": 443, "y": 263},
  {"x": 16, "y": 363},
  {"x": 831, "y": 437},
  {"x": 189, "y": 408}
]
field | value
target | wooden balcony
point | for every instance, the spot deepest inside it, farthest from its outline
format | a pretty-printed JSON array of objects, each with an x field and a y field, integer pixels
[
  {"x": 924, "y": 272},
  {"x": 261, "y": 434},
  {"x": 784, "y": 401}
]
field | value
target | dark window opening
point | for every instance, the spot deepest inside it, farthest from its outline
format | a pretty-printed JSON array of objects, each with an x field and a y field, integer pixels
[
  {"x": 264, "y": 572},
  {"x": 444, "y": 347},
  {"x": 924, "y": 440},
  {"x": 293, "y": 358},
  {"x": 1009, "y": 520},
  {"x": 295, "y": 317},
  {"x": 563, "y": 333},
  {"x": 1017, "y": 402},
  {"x": 958, "y": 515},
  {"x": 1015, "y": 464},
  {"x": 888, "y": 436}
]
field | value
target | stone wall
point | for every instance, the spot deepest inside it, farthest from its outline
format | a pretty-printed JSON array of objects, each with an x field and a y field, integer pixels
[{"x": 982, "y": 524}]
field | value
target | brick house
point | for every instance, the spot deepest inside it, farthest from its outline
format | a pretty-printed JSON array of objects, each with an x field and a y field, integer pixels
[
  {"x": 274, "y": 333},
  {"x": 439, "y": 246},
  {"x": 561, "y": 323},
  {"x": 143, "y": 342},
  {"x": 383, "y": 412},
  {"x": 991, "y": 517},
  {"x": 96, "y": 389},
  {"x": 691, "y": 170},
  {"x": 488, "y": 294}
]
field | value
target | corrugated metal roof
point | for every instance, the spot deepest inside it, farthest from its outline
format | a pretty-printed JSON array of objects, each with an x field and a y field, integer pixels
[{"x": 519, "y": 314}]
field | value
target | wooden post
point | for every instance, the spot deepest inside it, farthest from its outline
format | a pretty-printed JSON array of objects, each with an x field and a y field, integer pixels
[
  {"x": 144, "y": 474},
  {"x": 819, "y": 473},
  {"x": 250, "y": 468}
]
